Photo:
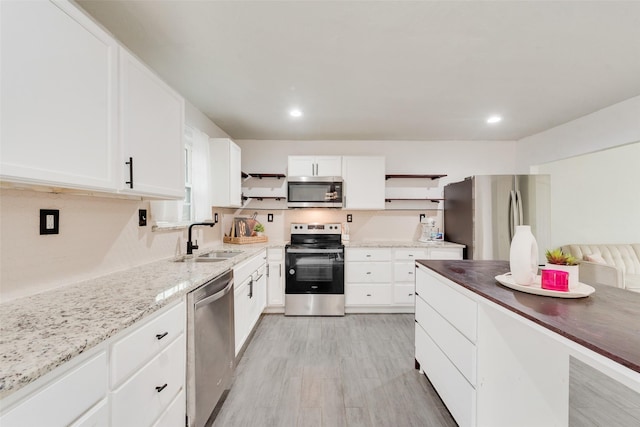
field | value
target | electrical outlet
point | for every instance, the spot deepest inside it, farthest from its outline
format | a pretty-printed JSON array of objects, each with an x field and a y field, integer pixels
[
  {"x": 349, "y": 218},
  {"x": 142, "y": 217},
  {"x": 49, "y": 221},
  {"x": 215, "y": 217},
  {"x": 422, "y": 216},
  {"x": 269, "y": 217}
]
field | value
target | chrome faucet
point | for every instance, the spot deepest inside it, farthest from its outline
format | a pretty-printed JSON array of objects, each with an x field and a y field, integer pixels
[{"x": 192, "y": 246}]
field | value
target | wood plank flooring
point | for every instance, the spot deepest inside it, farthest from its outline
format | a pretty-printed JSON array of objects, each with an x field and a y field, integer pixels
[{"x": 356, "y": 370}]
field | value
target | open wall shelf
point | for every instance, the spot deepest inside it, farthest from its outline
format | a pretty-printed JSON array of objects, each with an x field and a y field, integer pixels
[
  {"x": 389, "y": 176},
  {"x": 262, "y": 198},
  {"x": 413, "y": 200},
  {"x": 264, "y": 175}
]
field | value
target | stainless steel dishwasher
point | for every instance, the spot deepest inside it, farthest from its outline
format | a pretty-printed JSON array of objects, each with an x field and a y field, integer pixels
[{"x": 210, "y": 347}]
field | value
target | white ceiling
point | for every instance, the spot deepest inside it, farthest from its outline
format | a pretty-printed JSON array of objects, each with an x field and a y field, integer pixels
[{"x": 386, "y": 70}]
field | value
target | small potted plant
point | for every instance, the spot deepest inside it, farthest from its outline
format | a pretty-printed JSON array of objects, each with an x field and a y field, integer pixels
[
  {"x": 558, "y": 260},
  {"x": 259, "y": 229}
]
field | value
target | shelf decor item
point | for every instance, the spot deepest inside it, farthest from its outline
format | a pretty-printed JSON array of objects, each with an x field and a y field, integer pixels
[
  {"x": 558, "y": 260},
  {"x": 523, "y": 256}
]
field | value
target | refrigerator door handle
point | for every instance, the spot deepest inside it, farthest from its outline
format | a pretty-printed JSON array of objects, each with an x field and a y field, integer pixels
[
  {"x": 512, "y": 214},
  {"x": 519, "y": 201}
]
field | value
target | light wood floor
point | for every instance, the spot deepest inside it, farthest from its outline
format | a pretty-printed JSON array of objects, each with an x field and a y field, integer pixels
[{"x": 356, "y": 370}]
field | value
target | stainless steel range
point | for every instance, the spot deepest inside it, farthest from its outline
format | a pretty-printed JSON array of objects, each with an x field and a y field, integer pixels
[{"x": 314, "y": 262}]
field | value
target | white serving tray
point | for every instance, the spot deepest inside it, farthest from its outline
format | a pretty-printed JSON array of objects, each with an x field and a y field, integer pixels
[{"x": 583, "y": 290}]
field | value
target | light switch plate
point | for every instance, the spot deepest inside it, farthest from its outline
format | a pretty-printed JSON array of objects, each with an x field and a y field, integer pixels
[
  {"x": 49, "y": 221},
  {"x": 142, "y": 217},
  {"x": 270, "y": 217}
]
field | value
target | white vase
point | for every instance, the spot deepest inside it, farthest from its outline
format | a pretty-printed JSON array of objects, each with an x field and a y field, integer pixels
[
  {"x": 523, "y": 256},
  {"x": 573, "y": 270}
]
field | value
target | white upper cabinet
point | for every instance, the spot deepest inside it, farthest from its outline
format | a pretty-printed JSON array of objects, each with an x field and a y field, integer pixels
[
  {"x": 364, "y": 185},
  {"x": 226, "y": 174},
  {"x": 151, "y": 132},
  {"x": 58, "y": 97},
  {"x": 315, "y": 166}
]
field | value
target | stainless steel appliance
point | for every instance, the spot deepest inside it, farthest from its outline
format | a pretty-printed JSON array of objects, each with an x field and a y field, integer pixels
[
  {"x": 210, "y": 348},
  {"x": 482, "y": 212},
  {"x": 314, "y": 265},
  {"x": 314, "y": 192}
]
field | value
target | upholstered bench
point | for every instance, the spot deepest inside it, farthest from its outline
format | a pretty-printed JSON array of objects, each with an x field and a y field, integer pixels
[{"x": 608, "y": 264}]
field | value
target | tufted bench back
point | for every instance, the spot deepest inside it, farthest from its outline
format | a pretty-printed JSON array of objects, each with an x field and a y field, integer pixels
[{"x": 623, "y": 256}]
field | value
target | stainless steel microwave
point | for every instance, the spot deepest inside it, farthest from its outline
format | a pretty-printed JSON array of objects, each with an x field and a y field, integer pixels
[{"x": 314, "y": 192}]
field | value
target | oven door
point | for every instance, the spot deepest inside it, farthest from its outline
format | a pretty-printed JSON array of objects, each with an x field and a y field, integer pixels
[{"x": 314, "y": 271}]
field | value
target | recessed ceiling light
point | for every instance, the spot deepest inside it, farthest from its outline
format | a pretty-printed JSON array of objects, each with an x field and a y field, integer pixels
[
  {"x": 295, "y": 113},
  {"x": 494, "y": 119}
]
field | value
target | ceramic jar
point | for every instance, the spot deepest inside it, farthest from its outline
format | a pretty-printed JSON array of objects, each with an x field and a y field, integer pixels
[{"x": 523, "y": 256}]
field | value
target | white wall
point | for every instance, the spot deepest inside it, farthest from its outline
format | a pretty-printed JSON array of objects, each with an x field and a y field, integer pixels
[
  {"x": 616, "y": 125},
  {"x": 595, "y": 197},
  {"x": 595, "y": 183},
  {"x": 195, "y": 118}
]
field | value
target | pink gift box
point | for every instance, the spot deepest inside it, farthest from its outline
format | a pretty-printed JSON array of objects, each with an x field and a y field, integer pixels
[{"x": 555, "y": 280}]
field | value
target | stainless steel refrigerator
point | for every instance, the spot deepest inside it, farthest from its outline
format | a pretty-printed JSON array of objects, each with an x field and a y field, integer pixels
[{"x": 482, "y": 212}]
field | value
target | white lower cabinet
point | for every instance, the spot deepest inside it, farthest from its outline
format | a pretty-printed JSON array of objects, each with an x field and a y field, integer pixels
[
  {"x": 98, "y": 416},
  {"x": 250, "y": 296},
  {"x": 136, "y": 378},
  {"x": 368, "y": 277},
  {"x": 445, "y": 337},
  {"x": 383, "y": 279},
  {"x": 174, "y": 416},
  {"x": 72, "y": 392},
  {"x": 275, "y": 279},
  {"x": 153, "y": 388}
]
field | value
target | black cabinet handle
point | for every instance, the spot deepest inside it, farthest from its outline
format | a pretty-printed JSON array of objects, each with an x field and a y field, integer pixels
[
  {"x": 160, "y": 388},
  {"x": 160, "y": 336},
  {"x": 130, "y": 163}
]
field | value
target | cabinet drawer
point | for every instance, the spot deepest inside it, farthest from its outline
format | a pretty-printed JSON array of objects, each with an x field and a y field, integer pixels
[
  {"x": 65, "y": 398},
  {"x": 457, "y": 394},
  {"x": 368, "y": 272},
  {"x": 404, "y": 271},
  {"x": 404, "y": 294},
  {"x": 98, "y": 416},
  {"x": 134, "y": 350},
  {"x": 174, "y": 415},
  {"x": 248, "y": 267},
  {"x": 460, "y": 311},
  {"x": 445, "y": 253},
  {"x": 368, "y": 294},
  {"x": 364, "y": 254},
  {"x": 458, "y": 349},
  {"x": 410, "y": 254},
  {"x": 138, "y": 402}
]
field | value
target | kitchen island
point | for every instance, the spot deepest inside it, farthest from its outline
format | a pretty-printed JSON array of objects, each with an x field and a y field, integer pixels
[{"x": 498, "y": 356}]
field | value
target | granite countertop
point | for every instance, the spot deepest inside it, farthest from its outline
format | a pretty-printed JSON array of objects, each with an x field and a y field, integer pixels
[
  {"x": 605, "y": 322},
  {"x": 41, "y": 332},
  {"x": 399, "y": 244}
]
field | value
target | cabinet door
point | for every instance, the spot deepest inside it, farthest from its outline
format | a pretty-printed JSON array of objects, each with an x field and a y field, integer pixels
[
  {"x": 151, "y": 132},
  {"x": 226, "y": 182},
  {"x": 66, "y": 398},
  {"x": 301, "y": 166},
  {"x": 235, "y": 176},
  {"x": 275, "y": 284},
  {"x": 58, "y": 75},
  {"x": 328, "y": 165},
  {"x": 241, "y": 312},
  {"x": 363, "y": 182}
]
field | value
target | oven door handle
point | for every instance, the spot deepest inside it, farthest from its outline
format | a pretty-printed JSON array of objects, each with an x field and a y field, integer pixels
[{"x": 315, "y": 251}]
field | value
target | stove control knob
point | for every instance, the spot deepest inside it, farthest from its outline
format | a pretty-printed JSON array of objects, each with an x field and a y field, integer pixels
[{"x": 292, "y": 271}]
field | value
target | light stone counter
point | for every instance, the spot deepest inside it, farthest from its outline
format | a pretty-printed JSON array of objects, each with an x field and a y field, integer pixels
[
  {"x": 41, "y": 332},
  {"x": 399, "y": 244}
]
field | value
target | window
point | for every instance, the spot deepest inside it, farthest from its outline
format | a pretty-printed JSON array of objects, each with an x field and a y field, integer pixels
[{"x": 187, "y": 207}]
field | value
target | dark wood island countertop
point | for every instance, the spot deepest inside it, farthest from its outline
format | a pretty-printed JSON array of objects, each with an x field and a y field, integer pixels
[{"x": 606, "y": 322}]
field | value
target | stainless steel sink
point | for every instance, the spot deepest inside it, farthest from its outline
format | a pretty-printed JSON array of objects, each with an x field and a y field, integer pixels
[{"x": 217, "y": 256}]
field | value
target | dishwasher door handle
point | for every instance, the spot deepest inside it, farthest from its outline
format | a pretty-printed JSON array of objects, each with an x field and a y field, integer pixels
[{"x": 216, "y": 296}]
